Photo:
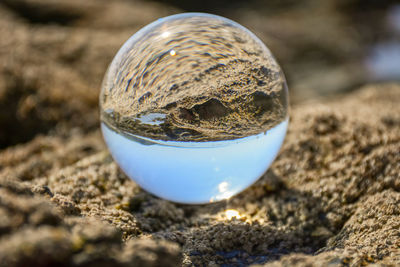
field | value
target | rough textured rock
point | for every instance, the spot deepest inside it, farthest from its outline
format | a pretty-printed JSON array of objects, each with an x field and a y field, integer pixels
[
  {"x": 331, "y": 198},
  {"x": 35, "y": 232}
]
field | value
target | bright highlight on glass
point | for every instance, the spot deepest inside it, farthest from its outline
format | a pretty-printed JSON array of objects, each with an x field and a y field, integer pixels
[{"x": 194, "y": 108}]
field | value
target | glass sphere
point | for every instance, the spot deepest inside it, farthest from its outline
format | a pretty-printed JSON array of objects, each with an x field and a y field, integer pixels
[{"x": 194, "y": 108}]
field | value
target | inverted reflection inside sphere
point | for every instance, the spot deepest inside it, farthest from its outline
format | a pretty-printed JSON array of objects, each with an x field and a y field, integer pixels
[{"x": 194, "y": 108}]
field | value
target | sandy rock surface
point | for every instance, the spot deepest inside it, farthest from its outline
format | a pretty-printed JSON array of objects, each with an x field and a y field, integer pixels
[{"x": 332, "y": 197}]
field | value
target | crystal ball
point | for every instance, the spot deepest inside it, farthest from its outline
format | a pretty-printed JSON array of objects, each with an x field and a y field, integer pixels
[{"x": 194, "y": 108}]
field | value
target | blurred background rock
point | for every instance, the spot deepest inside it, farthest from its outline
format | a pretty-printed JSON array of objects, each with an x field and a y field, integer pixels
[{"x": 53, "y": 54}]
